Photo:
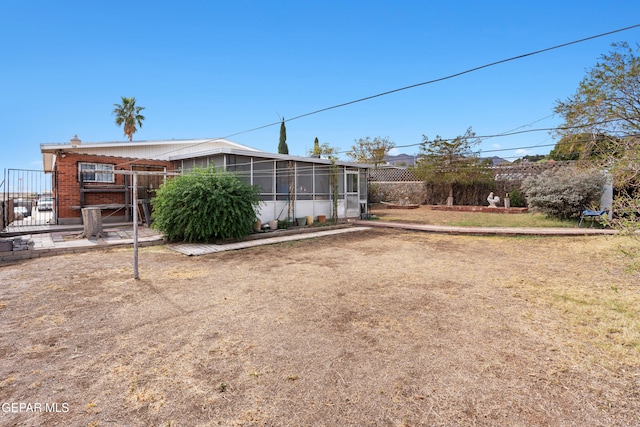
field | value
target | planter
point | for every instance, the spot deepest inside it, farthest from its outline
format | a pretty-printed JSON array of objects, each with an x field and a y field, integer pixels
[
  {"x": 309, "y": 220},
  {"x": 273, "y": 224},
  {"x": 257, "y": 226},
  {"x": 302, "y": 221},
  {"x": 322, "y": 219}
]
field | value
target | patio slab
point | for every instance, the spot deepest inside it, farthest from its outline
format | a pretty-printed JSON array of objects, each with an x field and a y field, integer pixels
[{"x": 195, "y": 249}]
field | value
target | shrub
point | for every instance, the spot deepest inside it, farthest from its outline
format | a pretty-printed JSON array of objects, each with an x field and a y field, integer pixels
[
  {"x": 563, "y": 192},
  {"x": 205, "y": 205},
  {"x": 516, "y": 198}
]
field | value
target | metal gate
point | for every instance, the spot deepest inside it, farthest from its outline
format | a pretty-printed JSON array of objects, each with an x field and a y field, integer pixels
[{"x": 27, "y": 198}]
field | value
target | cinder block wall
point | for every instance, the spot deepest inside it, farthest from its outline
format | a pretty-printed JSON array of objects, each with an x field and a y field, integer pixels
[
  {"x": 414, "y": 192},
  {"x": 67, "y": 190}
]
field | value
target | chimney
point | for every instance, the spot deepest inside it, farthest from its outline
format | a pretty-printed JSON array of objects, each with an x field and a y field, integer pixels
[{"x": 75, "y": 141}]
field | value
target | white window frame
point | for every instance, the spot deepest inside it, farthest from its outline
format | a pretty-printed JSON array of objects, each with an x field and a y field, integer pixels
[{"x": 102, "y": 172}]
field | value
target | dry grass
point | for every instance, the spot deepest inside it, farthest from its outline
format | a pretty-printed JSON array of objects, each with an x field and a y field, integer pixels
[
  {"x": 424, "y": 215},
  {"x": 379, "y": 327}
]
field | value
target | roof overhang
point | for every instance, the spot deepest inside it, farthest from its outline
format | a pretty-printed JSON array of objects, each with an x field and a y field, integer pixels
[
  {"x": 160, "y": 149},
  {"x": 48, "y": 161},
  {"x": 265, "y": 155},
  {"x": 51, "y": 150},
  {"x": 127, "y": 144}
]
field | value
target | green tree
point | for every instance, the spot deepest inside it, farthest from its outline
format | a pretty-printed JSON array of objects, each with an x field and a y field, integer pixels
[
  {"x": 316, "y": 147},
  {"x": 606, "y": 106},
  {"x": 282, "y": 146},
  {"x": 607, "y": 101},
  {"x": 451, "y": 162},
  {"x": 128, "y": 114},
  {"x": 328, "y": 152},
  {"x": 531, "y": 158},
  {"x": 331, "y": 153},
  {"x": 366, "y": 150},
  {"x": 585, "y": 146},
  {"x": 205, "y": 205}
]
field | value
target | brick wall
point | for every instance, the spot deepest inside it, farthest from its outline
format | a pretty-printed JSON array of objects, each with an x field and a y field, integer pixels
[{"x": 67, "y": 191}]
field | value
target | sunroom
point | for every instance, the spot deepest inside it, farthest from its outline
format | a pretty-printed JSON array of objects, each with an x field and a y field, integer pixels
[{"x": 291, "y": 186}]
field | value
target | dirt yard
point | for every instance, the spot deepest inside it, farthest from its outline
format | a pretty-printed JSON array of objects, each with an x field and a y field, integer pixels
[{"x": 371, "y": 328}]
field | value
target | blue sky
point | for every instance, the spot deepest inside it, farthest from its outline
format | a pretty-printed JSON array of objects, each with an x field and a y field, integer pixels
[{"x": 208, "y": 69}]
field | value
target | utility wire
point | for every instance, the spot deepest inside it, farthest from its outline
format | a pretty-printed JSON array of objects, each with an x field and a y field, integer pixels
[
  {"x": 513, "y": 58},
  {"x": 268, "y": 161},
  {"x": 499, "y": 135},
  {"x": 451, "y": 76}
]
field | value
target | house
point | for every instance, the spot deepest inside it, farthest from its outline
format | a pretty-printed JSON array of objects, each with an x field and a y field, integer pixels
[
  {"x": 82, "y": 176},
  {"x": 404, "y": 160},
  {"x": 400, "y": 159}
]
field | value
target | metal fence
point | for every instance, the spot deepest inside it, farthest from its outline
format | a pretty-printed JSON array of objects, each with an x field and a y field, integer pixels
[{"x": 27, "y": 198}]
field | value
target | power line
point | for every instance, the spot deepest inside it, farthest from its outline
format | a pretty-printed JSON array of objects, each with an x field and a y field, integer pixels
[
  {"x": 428, "y": 82},
  {"x": 499, "y": 135},
  {"x": 519, "y": 148},
  {"x": 326, "y": 166},
  {"x": 470, "y": 70},
  {"x": 528, "y": 124}
]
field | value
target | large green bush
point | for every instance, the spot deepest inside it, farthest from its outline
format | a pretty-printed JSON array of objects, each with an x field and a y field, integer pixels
[
  {"x": 563, "y": 192},
  {"x": 205, "y": 205}
]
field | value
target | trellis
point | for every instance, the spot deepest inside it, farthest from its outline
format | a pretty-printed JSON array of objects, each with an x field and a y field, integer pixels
[
  {"x": 392, "y": 175},
  {"x": 503, "y": 172},
  {"x": 507, "y": 177},
  {"x": 520, "y": 171}
]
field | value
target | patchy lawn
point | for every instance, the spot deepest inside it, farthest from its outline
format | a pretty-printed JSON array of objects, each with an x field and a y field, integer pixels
[
  {"x": 425, "y": 215},
  {"x": 381, "y": 327}
]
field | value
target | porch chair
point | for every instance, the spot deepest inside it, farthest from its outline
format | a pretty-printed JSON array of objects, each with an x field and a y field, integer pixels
[{"x": 592, "y": 215}]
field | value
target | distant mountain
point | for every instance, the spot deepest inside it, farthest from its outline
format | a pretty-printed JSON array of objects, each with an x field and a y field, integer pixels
[{"x": 495, "y": 160}]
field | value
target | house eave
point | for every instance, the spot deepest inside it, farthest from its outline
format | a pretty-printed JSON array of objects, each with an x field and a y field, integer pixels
[
  {"x": 50, "y": 150},
  {"x": 266, "y": 155},
  {"x": 48, "y": 161}
]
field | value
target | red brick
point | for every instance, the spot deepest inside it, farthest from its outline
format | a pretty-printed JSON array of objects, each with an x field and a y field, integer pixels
[{"x": 67, "y": 190}]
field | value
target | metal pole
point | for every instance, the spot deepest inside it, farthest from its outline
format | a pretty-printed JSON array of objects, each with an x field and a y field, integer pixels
[{"x": 135, "y": 226}]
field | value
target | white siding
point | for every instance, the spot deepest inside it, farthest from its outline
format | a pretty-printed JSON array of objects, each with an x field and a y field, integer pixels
[{"x": 155, "y": 150}]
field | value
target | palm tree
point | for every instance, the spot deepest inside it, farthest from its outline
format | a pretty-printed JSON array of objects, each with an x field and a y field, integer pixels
[{"x": 128, "y": 114}]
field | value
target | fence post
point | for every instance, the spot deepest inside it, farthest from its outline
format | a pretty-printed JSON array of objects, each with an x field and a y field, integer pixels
[{"x": 135, "y": 226}]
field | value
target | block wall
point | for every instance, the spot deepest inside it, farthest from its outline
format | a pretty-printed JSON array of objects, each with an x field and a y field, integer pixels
[{"x": 393, "y": 192}]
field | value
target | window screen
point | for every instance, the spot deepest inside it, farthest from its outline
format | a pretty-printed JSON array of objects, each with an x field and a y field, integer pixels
[
  {"x": 96, "y": 172},
  {"x": 263, "y": 175}
]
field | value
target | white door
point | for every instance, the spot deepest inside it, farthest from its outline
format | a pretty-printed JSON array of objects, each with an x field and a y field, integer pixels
[{"x": 352, "y": 196}]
